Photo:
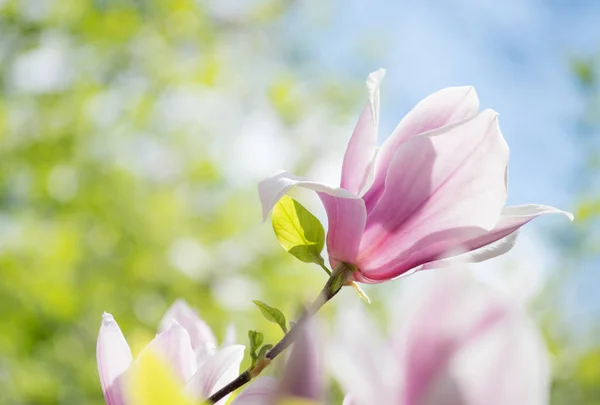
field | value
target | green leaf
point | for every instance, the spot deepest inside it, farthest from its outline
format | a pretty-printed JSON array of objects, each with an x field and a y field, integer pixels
[
  {"x": 272, "y": 314},
  {"x": 299, "y": 232},
  {"x": 256, "y": 339}
]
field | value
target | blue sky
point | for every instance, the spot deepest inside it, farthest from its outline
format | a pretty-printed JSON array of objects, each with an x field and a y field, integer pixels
[{"x": 515, "y": 52}]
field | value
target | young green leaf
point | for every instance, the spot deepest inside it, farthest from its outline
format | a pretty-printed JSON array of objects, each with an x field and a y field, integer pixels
[
  {"x": 299, "y": 232},
  {"x": 256, "y": 339},
  {"x": 272, "y": 314}
]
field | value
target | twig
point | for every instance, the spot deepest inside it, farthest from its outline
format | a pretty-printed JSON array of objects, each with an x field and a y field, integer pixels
[{"x": 332, "y": 287}]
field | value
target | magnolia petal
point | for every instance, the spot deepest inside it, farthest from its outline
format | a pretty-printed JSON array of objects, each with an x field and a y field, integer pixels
[
  {"x": 362, "y": 361},
  {"x": 114, "y": 358},
  {"x": 303, "y": 373},
  {"x": 515, "y": 214},
  {"x": 441, "y": 190},
  {"x": 151, "y": 382},
  {"x": 217, "y": 371},
  {"x": 201, "y": 335},
  {"x": 273, "y": 188},
  {"x": 462, "y": 343},
  {"x": 259, "y": 392},
  {"x": 358, "y": 159},
  {"x": 348, "y": 400},
  {"x": 175, "y": 347},
  {"x": 440, "y": 322},
  {"x": 498, "y": 334},
  {"x": 346, "y": 223},
  {"x": 516, "y": 363},
  {"x": 499, "y": 240},
  {"x": 486, "y": 252},
  {"x": 444, "y": 107}
]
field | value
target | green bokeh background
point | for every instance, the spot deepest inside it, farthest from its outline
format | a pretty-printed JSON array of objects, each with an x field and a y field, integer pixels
[{"x": 118, "y": 195}]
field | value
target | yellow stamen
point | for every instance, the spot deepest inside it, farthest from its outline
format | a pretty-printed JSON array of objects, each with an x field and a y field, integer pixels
[{"x": 360, "y": 292}]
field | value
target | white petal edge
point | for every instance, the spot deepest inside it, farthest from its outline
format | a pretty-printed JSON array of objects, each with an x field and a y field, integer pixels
[
  {"x": 373, "y": 83},
  {"x": 113, "y": 356},
  {"x": 276, "y": 186},
  {"x": 533, "y": 210}
]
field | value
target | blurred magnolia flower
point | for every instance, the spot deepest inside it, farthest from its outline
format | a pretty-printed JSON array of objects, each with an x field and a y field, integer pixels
[
  {"x": 301, "y": 382},
  {"x": 456, "y": 343},
  {"x": 184, "y": 342},
  {"x": 433, "y": 193},
  {"x": 151, "y": 382}
]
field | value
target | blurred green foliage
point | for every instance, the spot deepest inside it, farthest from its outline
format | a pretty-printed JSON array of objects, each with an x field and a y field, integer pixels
[{"x": 117, "y": 190}]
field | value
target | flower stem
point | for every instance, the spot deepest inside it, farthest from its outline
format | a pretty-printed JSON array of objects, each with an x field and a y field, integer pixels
[{"x": 332, "y": 287}]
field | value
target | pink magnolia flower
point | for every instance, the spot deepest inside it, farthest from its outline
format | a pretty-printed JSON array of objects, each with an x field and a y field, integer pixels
[
  {"x": 458, "y": 344},
  {"x": 184, "y": 341},
  {"x": 436, "y": 188}
]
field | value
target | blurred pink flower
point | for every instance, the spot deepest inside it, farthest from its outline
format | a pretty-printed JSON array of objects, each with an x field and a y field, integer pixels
[
  {"x": 436, "y": 189},
  {"x": 457, "y": 343},
  {"x": 184, "y": 341},
  {"x": 302, "y": 377}
]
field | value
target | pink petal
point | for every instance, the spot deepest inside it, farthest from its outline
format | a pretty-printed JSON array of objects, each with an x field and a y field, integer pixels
[
  {"x": 464, "y": 344},
  {"x": 273, "y": 188},
  {"x": 440, "y": 324},
  {"x": 348, "y": 400},
  {"x": 445, "y": 107},
  {"x": 500, "y": 239},
  {"x": 346, "y": 223},
  {"x": 259, "y": 392},
  {"x": 456, "y": 343},
  {"x": 358, "y": 159},
  {"x": 303, "y": 373},
  {"x": 114, "y": 358},
  {"x": 362, "y": 361},
  {"x": 201, "y": 335},
  {"x": 174, "y": 345},
  {"x": 505, "y": 364},
  {"x": 441, "y": 190},
  {"x": 217, "y": 371}
]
